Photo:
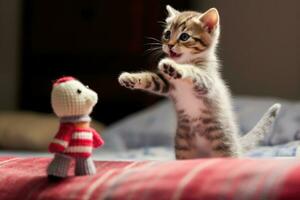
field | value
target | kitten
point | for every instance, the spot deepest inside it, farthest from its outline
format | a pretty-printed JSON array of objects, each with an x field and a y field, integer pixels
[{"x": 190, "y": 77}]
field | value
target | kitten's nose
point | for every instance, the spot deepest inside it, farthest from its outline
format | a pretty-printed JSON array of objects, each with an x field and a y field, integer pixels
[{"x": 170, "y": 46}]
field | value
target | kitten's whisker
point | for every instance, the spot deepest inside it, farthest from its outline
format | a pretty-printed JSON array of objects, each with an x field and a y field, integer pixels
[
  {"x": 157, "y": 44},
  {"x": 155, "y": 47},
  {"x": 152, "y": 38},
  {"x": 153, "y": 43},
  {"x": 155, "y": 55},
  {"x": 162, "y": 23},
  {"x": 150, "y": 50},
  {"x": 153, "y": 50},
  {"x": 158, "y": 55}
]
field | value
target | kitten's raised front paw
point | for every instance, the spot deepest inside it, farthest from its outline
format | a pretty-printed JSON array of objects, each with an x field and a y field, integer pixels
[
  {"x": 169, "y": 68},
  {"x": 128, "y": 80}
]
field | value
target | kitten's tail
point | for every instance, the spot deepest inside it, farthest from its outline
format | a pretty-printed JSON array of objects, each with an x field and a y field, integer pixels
[{"x": 252, "y": 138}]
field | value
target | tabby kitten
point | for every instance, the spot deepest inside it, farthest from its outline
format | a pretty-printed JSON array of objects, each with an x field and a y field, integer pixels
[{"x": 190, "y": 77}]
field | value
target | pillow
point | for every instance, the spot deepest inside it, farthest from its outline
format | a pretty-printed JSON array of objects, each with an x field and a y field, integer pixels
[
  {"x": 29, "y": 130},
  {"x": 154, "y": 126}
]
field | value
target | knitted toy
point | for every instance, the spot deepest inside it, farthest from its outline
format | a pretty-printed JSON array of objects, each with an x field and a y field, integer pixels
[{"x": 72, "y": 102}]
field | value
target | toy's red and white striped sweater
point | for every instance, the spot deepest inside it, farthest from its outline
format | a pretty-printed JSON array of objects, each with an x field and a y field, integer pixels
[{"x": 75, "y": 141}]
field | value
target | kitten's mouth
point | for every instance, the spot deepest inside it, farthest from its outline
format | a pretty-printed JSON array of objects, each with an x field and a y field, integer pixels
[{"x": 173, "y": 54}]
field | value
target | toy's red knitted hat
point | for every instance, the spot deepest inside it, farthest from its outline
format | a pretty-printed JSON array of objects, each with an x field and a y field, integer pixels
[{"x": 63, "y": 79}]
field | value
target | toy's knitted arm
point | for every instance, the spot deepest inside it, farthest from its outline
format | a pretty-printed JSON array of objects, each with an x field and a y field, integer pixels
[
  {"x": 97, "y": 140},
  {"x": 60, "y": 142}
]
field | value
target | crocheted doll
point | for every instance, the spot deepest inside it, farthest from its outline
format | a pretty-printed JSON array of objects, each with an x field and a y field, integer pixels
[{"x": 72, "y": 102}]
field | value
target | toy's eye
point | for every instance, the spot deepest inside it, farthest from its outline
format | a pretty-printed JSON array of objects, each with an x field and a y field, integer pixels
[
  {"x": 184, "y": 36},
  {"x": 78, "y": 91},
  {"x": 167, "y": 35}
]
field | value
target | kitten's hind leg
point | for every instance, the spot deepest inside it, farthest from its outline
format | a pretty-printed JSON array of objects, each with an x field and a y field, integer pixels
[{"x": 147, "y": 81}]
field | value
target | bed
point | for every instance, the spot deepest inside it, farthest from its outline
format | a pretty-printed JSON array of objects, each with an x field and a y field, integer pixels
[
  {"x": 24, "y": 178},
  {"x": 137, "y": 162}
]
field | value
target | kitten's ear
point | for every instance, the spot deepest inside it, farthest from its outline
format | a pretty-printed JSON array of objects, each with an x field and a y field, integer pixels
[
  {"x": 171, "y": 11},
  {"x": 210, "y": 19}
]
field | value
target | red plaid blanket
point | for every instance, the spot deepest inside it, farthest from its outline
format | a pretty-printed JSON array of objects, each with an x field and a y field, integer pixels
[{"x": 209, "y": 179}]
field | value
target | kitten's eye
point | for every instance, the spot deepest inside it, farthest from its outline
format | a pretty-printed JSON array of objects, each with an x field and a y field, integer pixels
[
  {"x": 78, "y": 91},
  {"x": 167, "y": 35},
  {"x": 184, "y": 37}
]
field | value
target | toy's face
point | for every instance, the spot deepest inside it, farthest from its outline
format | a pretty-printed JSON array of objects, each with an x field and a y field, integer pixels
[{"x": 72, "y": 98}]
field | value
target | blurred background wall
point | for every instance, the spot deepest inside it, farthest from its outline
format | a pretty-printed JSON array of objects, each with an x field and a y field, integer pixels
[
  {"x": 10, "y": 53},
  {"x": 260, "y": 46},
  {"x": 95, "y": 40}
]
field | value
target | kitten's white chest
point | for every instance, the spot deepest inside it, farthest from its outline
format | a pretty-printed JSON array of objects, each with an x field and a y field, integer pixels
[{"x": 186, "y": 99}]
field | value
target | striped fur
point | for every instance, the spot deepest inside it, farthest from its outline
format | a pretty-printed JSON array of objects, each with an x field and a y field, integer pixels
[{"x": 190, "y": 77}]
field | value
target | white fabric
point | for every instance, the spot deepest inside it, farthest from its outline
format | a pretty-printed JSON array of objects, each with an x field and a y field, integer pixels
[
  {"x": 60, "y": 142},
  {"x": 83, "y": 135}
]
